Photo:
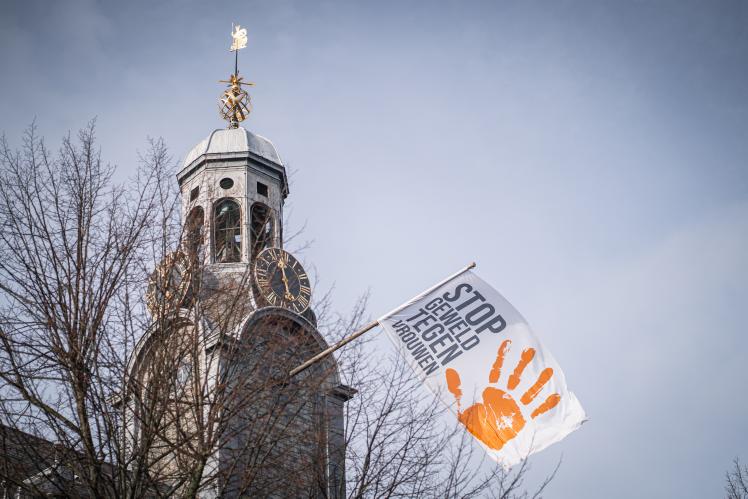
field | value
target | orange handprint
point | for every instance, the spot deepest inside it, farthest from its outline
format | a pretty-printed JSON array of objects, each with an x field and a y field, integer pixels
[{"x": 499, "y": 418}]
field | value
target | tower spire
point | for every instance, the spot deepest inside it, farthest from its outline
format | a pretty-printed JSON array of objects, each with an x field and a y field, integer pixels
[{"x": 235, "y": 104}]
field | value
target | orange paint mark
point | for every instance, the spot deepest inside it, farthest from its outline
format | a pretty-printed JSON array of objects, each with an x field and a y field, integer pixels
[
  {"x": 493, "y": 376},
  {"x": 530, "y": 394},
  {"x": 496, "y": 421},
  {"x": 498, "y": 418},
  {"x": 453, "y": 383},
  {"x": 525, "y": 359},
  {"x": 551, "y": 402}
]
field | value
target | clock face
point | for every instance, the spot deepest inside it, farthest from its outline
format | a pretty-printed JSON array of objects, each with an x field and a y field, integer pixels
[
  {"x": 281, "y": 280},
  {"x": 169, "y": 284}
]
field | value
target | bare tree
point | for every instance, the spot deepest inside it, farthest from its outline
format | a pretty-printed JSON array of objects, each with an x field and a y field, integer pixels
[
  {"x": 737, "y": 481},
  {"x": 119, "y": 380},
  {"x": 71, "y": 246}
]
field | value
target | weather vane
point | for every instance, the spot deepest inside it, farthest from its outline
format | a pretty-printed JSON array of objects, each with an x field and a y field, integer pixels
[{"x": 235, "y": 104}]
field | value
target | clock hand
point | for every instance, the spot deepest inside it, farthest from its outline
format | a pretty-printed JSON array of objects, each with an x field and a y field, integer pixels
[{"x": 288, "y": 294}]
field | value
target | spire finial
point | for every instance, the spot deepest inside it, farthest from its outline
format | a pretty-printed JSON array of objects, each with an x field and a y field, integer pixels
[{"x": 235, "y": 104}]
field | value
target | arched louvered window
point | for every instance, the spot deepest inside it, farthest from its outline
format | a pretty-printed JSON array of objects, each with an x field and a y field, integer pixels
[
  {"x": 227, "y": 231},
  {"x": 194, "y": 230},
  {"x": 262, "y": 228}
]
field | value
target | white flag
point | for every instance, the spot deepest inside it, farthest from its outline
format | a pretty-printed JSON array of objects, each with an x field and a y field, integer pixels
[{"x": 475, "y": 351}]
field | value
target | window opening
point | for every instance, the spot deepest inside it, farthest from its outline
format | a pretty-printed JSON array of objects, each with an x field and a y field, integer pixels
[
  {"x": 194, "y": 230},
  {"x": 262, "y": 228},
  {"x": 228, "y": 233}
]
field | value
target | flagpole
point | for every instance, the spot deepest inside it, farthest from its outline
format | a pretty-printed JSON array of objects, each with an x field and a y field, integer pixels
[
  {"x": 371, "y": 325},
  {"x": 236, "y": 52}
]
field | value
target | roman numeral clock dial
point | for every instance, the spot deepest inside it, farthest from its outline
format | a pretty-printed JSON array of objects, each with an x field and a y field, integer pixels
[{"x": 282, "y": 281}]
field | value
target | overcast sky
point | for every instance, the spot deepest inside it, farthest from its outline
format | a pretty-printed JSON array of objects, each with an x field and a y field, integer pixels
[{"x": 591, "y": 157}]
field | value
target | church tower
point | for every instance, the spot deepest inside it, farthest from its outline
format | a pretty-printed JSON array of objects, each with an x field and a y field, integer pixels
[{"x": 243, "y": 319}]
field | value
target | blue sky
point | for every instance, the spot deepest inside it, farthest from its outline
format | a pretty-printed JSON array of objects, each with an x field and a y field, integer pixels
[{"x": 592, "y": 157}]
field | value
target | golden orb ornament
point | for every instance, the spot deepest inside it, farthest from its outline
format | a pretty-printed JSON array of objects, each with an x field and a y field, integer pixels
[{"x": 235, "y": 104}]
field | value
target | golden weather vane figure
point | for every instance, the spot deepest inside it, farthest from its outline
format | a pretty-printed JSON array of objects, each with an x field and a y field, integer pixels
[
  {"x": 239, "y": 36},
  {"x": 235, "y": 104}
]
